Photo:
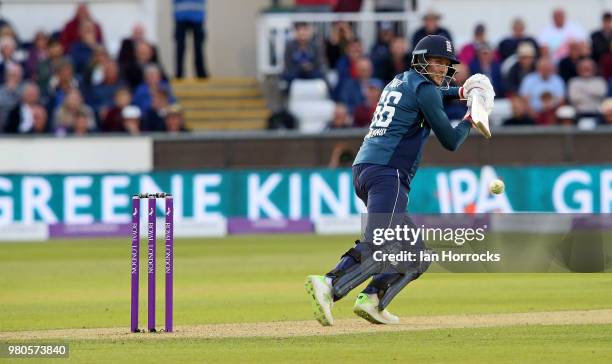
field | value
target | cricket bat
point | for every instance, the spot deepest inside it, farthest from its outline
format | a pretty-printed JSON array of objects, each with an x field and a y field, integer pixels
[{"x": 479, "y": 114}]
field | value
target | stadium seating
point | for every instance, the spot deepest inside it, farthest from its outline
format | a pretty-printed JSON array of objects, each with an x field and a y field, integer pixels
[
  {"x": 309, "y": 102},
  {"x": 502, "y": 110}
]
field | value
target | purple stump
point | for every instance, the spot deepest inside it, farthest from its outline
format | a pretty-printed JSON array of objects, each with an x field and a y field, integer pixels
[
  {"x": 169, "y": 228},
  {"x": 135, "y": 261},
  {"x": 151, "y": 236}
]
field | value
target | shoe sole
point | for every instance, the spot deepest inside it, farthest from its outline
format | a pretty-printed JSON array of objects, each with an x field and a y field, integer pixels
[
  {"x": 317, "y": 309},
  {"x": 366, "y": 316}
]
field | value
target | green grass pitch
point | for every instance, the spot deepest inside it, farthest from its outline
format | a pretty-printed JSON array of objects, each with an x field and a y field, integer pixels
[{"x": 76, "y": 284}]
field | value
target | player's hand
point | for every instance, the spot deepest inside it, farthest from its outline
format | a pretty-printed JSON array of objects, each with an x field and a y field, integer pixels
[
  {"x": 483, "y": 84},
  {"x": 477, "y": 81},
  {"x": 488, "y": 97},
  {"x": 468, "y": 117}
]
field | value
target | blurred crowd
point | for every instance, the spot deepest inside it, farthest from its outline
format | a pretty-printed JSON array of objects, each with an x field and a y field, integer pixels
[
  {"x": 559, "y": 76},
  {"x": 66, "y": 82}
]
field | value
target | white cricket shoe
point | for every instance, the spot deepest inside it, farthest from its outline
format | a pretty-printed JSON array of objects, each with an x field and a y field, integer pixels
[
  {"x": 320, "y": 292},
  {"x": 366, "y": 307}
]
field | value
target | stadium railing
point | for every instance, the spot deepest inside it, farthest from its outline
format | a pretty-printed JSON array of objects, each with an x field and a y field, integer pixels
[{"x": 275, "y": 29}]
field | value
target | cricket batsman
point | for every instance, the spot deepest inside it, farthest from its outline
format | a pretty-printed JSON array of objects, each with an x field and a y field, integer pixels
[{"x": 409, "y": 108}]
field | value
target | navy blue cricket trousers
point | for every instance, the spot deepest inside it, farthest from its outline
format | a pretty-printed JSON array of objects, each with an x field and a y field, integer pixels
[{"x": 384, "y": 190}]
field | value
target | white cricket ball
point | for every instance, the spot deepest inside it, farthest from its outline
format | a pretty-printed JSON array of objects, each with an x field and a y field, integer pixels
[{"x": 497, "y": 186}]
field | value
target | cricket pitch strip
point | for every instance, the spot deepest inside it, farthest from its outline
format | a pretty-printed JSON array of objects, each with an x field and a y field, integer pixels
[{"x": 285, "y": 329}]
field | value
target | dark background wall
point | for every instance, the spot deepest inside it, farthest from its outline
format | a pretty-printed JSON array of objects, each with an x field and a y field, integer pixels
[{"x": 289, "y": 149}]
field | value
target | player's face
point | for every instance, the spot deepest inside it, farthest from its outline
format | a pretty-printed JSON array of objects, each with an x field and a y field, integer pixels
[{"x": 437, "y": 69}]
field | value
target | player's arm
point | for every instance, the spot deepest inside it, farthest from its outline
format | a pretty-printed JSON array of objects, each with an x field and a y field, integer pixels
[
  {"x": 454, "y": 93},
  {"x": 430, "y": 103}
]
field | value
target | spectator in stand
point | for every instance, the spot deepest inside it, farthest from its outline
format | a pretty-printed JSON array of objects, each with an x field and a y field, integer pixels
[
  {"x": 397, "y": 62},
  {"x": 20, "y": 119},
  {"x": 81, "y": 51},
  {"x": 543, "y": 80},
  {"x": 94, "y": 71},
  {"x": 362, "y": 116},
  {"x": 602, "y": 48},
  {"x": 153, "y": 119},
  {"x": 127, "y": 52},
  {"x": 605, "y": 66},
  {"x": 462, "y": 73},
  {"x": 347, "y": 6},
  {"x": 556, "y": 37},
  {"x": 174, "y": 121},
  {"x": 133, "y": 73},
  {"x": 81, "y": 124},
  {"x": 143, "y": 95},
  {"x": 64, "y": 117},
  {"x": 63, "y": 80},
  {"x": 606, "y": 112},
  {"x": 525, "y": 64},
  {"x": 543, "y": 51},
  {"x": 10, "y": 91},
  {"x": 39, "y": 51},
  {"x": 45, "y": 68},
  {"x": 71, "y": 32},
  {"x": 131, "y": 119},
  {"x": 381, "y": 50},
  {"x": 347, "y": 64},
  {"x": 341, "y": 118},
  {"x": 520, "y": 116},
  {"x": 342, "y": 156},
  {"x": 509, "y": 46},
  {"x": 341, "y": 35},
  {"x": 40, "y": 120},
  {"x": 112, "y": 120},
  {"x": 587, "y": 91},
  {"x": 100, "y": 97},
  {"x": 354, "y": 91},
  {"x": 6, "y": 24},
  {"x": 8, "y": 55},
  {"x": 485, "y": 64},
  {"x": 602, "y": 39},
  {"x": 6, "y": 29},
  {"x": 455, "y": 108},
  {"x": 190, "y": 16},
  {"x": 547, "y": 115},
  {"x": 431, "y": 26},
  {"x": 568, "y": 65},
  {"x": 469, "y": 51},
  {"x": 302, "y": 55},
  {"x": 566, "y": 116},
  {"x": 19, "y": 54}
]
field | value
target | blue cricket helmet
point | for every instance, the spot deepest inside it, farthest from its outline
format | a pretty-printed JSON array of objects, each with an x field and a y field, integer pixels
[{"x": 434, "y": 46}]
